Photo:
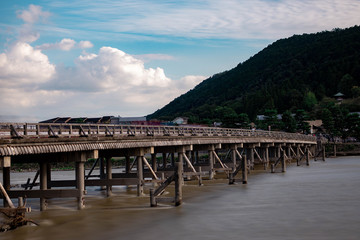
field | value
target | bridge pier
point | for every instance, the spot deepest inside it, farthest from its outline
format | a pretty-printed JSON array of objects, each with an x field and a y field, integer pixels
[
  {"x": 154, "y": 162},
  {"x": 5, "y": 163},
  {"x": 140, "y": 175},
  {"x": 266, "y": 154},
  {"x": 108, "y": 176},
  {"x": 43, "y": 184},
  {"x": 80, "y": 159}
]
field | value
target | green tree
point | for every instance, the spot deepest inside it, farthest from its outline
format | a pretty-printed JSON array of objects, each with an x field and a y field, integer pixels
[
  {"x": 345, "y": 85},
  {"x": 355, "y": 91},
  {"x": 227, "y": 116},
  {"x": 243, "y": 120},
  {"x": 289, "y": 122},
  {"x": 309, "y": 100},
  {"x": 352, "y": 126},
  {"x": 328, "y": 121},
  {"x": 301, "y": 124},
  {"x": 271, "y": 122},
  {"x": 339, "y": 117}
]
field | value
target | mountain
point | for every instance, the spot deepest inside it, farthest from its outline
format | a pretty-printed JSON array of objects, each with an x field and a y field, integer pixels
[{"x": 286, "y": 75}]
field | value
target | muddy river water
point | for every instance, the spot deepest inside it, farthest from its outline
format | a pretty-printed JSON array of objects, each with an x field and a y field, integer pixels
[{"x": 317, "y": 202}]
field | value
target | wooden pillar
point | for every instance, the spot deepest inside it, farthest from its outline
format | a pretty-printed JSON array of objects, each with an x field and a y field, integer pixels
[
  {"x": 43, "y": 184},
  {"x": 108, "y": 176},
  {"x": 252, "y": 158},
  {"x": 272, "y": 168},
  {"x": 6, "y": 182},
  {"x": 178, "y": 182},
  {"x": 164, "y": 160},
  {"x": 266, "y": 158},
  {"x": 153, "y": 162},
  {"x": 211, "y": 164},
  {"x": 289, "y": 152},
  {"x": 127, "y": 164},
  {"x": 6, "y": 164},
  {"x": 153, "y": 202},
  {"x": 283, "y": 163},
  {"x": 80, "y": 178},
  {"x": 334, "y": 149},
  {"x": 297, "y": 151},
  {"x": 140, "y": 174},
  {"x": 102, "y": 172},
  {"x": 233, "y": 157},
  {"x": 278, "y": 151},
  {"x": 244, "y": 170},
  {"x": 307, "y": 153},
  {"x": 323, "y": 153}
]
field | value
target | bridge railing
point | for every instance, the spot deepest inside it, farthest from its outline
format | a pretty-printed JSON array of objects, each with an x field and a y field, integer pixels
[{"x": 58, "y": 130}]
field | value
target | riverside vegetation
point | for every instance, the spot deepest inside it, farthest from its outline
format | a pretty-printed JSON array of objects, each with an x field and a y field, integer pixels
[{"x": 296, "y": 77}]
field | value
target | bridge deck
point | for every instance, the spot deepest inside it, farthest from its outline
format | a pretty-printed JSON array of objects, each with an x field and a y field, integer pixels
[
  {"x": 46, "y": 144},
  {"x": 27, "y": 138}
]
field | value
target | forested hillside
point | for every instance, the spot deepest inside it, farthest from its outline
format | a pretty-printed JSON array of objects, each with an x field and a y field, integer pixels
[{"x": 300, "y": 72}]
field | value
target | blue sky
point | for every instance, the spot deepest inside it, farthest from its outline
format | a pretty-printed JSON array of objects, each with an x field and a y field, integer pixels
[{"x": 129, "y": 58}]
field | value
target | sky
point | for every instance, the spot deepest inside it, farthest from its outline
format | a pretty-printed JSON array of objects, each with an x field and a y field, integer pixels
[{"x": 85, "y": 58}]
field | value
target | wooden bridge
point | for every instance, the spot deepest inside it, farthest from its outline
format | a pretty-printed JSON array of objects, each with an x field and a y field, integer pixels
[{"x": 155, "y": 154}]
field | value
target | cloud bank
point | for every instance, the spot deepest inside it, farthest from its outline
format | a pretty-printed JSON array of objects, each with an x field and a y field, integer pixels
[
  {"x": 228, "y": 19},
  {"x": 109, "y": 82}
]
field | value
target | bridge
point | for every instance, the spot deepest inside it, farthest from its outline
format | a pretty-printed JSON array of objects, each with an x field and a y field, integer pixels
[{"x": 153, "y": 156}]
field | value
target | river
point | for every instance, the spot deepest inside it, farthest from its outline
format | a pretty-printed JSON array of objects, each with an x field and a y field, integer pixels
[{"x": 321, "y": 201}]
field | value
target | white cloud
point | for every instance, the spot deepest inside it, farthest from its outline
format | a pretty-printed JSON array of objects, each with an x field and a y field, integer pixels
[
  {"x": 23, "y": 66},
  {"x": 190, "y": 81},
  {"x": 154, "y": 56},
  {"x": 108, "y": 71},
  {"x": 66, "y": 44},
  {"x": 220, "y": 19},
  {"x": 33, "y": 14},
  {"x": 111, "y": 82},
  {"x": 30, "y": 17},
  {"x": 85, "y": 44}
]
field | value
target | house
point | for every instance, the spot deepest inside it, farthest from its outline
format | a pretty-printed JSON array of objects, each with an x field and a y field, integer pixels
[
  {"x": 339, "y": 96},
  {"x": 180, "y": 120},
  {"x": 128, "y": 120},
  {"x": 315, "y": 126}
]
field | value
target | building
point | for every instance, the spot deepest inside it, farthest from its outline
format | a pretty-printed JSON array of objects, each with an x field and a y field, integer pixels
[
  {"x": 129, "y": 120},
  {"x": 315, "y": 126},
  {"x": 180, "y": 120},
  {"x": 339, "y": 96}
]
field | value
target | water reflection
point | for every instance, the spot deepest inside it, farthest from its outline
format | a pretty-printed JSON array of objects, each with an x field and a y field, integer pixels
[{"x": 316, "y": 202}]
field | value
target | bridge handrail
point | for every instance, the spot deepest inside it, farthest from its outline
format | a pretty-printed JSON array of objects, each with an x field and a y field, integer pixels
[{"x": 72, "y": 130}]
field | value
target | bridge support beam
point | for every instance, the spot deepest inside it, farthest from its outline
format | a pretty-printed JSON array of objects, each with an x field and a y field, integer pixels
[
  {"x": 154, "y": 162},
  {"x": 108, "y": 176},
  {"x": 43, "y": 184},
  {"x": 283, "y": 162},
  {"x": 140, "y": 175},
  {"x": 307, "y": 153},
  {"x": 80, "y": 177},
  {"x": 127, "y": 163},
  {"x": 5, "y": 163},
  {"x": 211, "y": 164},
  {"x": 266, "y": 156}
]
